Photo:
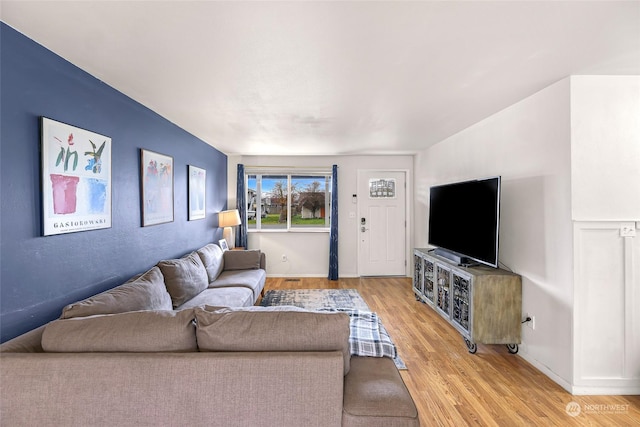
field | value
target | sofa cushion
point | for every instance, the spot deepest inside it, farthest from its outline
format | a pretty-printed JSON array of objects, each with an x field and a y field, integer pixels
[
  {"x": 184, "y": 278},
  {"x": 143, "y": 292},
  {"x": 212, "y": 259},
  {"x": 221, "y": 297},
  {"x": 135, "y": 331},
  {"x": 375, "y": 395},
  {"x": 273, "y": 331},
  {"x": 252, "y": 279},
  {"x": 242, "y": 260}
]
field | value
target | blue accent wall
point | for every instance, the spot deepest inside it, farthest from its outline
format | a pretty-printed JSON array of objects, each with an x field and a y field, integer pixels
[{"x": 40, "y": 275}]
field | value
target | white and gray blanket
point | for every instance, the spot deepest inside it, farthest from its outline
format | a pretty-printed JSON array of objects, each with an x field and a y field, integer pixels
[{"x": 368, "y": 336}]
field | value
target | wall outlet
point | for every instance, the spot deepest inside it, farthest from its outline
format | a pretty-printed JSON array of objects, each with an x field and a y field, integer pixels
[
  {"x": 628, "y": 230},
  {"x": 531, "y": 324},
  {"x": 284, "y": 258}
]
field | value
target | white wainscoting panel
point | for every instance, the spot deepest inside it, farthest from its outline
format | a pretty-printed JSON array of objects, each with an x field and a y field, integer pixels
[{"x": 606, "y": 309}]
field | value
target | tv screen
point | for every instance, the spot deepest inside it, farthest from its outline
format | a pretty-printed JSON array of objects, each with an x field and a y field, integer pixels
[{"x": 464, "y": 218}]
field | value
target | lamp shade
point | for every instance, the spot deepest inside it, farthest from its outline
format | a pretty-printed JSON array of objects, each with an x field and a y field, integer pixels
[{"x": 229, "y": 218}]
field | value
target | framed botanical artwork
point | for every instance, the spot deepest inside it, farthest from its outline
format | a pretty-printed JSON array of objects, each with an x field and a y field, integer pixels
[
  {"x": 156, "y": 181},
  {"x": 223, "y": 245},
  {"x": 76, "y": 178},
  {"x": 197, "y": 193}
]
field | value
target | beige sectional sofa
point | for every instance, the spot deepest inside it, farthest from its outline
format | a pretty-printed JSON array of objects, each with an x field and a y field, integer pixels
[{"x": 162, "y": 350}]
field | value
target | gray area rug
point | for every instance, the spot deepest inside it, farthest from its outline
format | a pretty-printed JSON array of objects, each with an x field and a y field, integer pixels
[{"x": 319, "y": 299}]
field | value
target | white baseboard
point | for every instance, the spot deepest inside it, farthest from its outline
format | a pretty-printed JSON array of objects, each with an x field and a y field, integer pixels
[
  {"x": 293, "y": 276},
  {"x": 317, "y": 276},
  {"x": 522, "y": 352},
  {"x": 617, "y": 390},
  {"x": 583, "y": 390}
]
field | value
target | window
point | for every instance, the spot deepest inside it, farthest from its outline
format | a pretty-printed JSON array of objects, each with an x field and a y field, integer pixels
[
  {"x": 282, "y": 200},
  {"x": 382, "y": 188}
]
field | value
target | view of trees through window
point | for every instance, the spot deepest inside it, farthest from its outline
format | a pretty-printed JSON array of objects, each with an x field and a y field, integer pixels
[{"x": 272, "y": 199}]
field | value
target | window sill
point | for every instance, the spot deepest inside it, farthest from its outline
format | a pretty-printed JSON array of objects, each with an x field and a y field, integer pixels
[{"x": 291, "y": 230}]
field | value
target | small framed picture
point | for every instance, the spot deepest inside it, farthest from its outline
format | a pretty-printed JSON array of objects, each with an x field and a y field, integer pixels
[
  {"x": 197, "y": 184},
  {"x": 223, "y": 245}
]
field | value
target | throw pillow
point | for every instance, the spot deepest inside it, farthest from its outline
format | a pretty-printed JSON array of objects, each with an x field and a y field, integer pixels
[
  {"x": 136, "y": 331},
  {"x": 143, "y": 292},
  {"x": 212, "y": 259},
  {"x": 185, "y": 277},
  {"x": 273, "y": 331},
  {"x": 242, "y": 260}
]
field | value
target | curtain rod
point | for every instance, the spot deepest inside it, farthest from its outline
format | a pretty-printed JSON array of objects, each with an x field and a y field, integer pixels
[{"x": 285, "y": 168}]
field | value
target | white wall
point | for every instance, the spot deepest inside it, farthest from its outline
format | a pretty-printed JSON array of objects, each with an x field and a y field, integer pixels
[
  {"x": 308, "y": 252},
  {"x": 529, "y": 145},
  {"x": 605, "y": 147},
  {"x": 605, "y": 151}
]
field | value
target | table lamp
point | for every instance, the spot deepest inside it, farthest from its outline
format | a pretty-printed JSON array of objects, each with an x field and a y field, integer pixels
[{"x": 228, "y": 220}]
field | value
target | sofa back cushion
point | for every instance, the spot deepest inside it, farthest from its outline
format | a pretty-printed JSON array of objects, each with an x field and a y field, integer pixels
[
  {"x": 184, "y": 278},
  {"x": 212, "y": 259},
  {"x": 273, "y": 331},
  {"x": 242, "y": 260},
  {"x": 144, "y": 292},
  {"x": 135, "y": 331}
]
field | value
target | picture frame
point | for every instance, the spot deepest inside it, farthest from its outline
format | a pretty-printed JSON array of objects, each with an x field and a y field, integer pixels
[
  {"x": 75, "y": 178},
  {"x": 197, "y": 192},
  {"x": 223, "y": 244},
  {"x": 156, "y": 183}
]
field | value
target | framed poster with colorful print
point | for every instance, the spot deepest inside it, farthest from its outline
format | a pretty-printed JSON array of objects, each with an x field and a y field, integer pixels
[
  {"x": 197, "y": 193},
  {"x": 76, "y": 179},
  {"x": 156, "y": 174}
]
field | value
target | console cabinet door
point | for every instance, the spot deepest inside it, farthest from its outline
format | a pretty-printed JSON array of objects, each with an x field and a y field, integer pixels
[
  {"x": 443, "y": 301},
  {"x": 417, "y": 275},
  {"x": 429, "y": 280},
  {"x": 461, "y": 301}
]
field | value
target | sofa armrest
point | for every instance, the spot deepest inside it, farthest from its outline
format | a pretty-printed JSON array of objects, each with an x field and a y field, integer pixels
[{"x": 197, "y": 389}]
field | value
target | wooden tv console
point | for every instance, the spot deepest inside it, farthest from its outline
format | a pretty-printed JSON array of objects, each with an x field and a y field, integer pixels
[{"x": 484, "y": 304}]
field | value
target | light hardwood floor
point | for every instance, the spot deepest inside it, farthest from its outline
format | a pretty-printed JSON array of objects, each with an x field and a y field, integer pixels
[{"x": 454, "y": 388}]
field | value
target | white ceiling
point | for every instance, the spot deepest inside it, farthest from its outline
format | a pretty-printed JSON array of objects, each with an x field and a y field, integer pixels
[{"x": 334, "y": 78}]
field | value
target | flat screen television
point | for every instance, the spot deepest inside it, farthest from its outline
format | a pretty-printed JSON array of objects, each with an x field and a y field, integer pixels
[{"x": 464, "y": 220}]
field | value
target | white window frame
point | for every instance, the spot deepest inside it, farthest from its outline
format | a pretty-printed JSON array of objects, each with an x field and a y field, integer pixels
[{"x": 324, "y": 175}]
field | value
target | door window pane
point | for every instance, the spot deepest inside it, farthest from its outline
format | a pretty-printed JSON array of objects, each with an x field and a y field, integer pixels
[{"x": 382, "y": 188}]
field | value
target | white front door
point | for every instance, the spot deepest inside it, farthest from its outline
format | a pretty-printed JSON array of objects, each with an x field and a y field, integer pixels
[{"x": 381, "y": 223}]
